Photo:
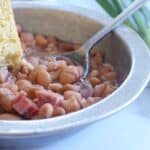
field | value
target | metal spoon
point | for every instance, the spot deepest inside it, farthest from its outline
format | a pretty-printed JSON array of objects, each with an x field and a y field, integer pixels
[{"x": 82, "y": 55}]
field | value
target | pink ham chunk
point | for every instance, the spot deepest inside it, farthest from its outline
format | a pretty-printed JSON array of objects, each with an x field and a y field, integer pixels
[{"x": 24, "y": 106}]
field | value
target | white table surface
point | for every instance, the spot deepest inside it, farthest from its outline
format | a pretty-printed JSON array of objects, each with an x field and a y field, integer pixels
[{"x": 128, "y": 129}]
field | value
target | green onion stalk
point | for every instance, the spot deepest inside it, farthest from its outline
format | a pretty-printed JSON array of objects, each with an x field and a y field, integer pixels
[{"x": 139, "y": 21}]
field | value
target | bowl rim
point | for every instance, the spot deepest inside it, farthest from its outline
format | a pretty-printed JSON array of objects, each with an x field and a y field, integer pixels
[{"x": 91, "y": 113}]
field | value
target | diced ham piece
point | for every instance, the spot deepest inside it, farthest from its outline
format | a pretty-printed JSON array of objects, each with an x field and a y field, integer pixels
[
  {"x": 24, "y": 106},
  {"x": 49, "y": 97}
]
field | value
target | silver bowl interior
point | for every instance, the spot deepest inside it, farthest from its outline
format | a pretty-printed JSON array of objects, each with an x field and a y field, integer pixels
[
  {"x": 122, "y": 49},
  {"x": 79, "y": 29}
]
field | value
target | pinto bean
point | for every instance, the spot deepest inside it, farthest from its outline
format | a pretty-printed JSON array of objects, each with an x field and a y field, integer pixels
[
  {"x": 21, "y": 75},
  {"x": 26, "y": 67},
  {"x": 94, "y": 73},
  {"x": 51, "y": 48},
  {"x": 69, "y": 94},
  {"x": 91, "y": 100},
  {"x": 93, "y": 64},
  {"x": 94, "y": 81},
  {"x": 51, "y": 39},
  {"x": 40, "y": 75},
  {"x": 69, "y": 75},
  {"x": 105, "y": 68},
  {"x": 71, "y": 105},
  {"x": 41, "y": 41},
  {"x": 58, "y": 111},
  {"x": 98, "y": 58},
  {"x": 43, "y": 77},
  {"x": 56, "y": 65},
  {"x": 56, "y": 87},
  {"x": 33, "y": 76},
  {"x": 33, "y": 89},
  {"x": 71, "y": 87},
  {"x": 99, "y": 89},
  {"x": 6, "y": 99},
  {"x": 25, "y": 70},
  {"x": 87, "y": 102},
  {"x": 23, "y": 85},
  {"x": 7, "y": 116},
  {"x": 111, "y": 76},
  {"x": 12, "y": 87},
  {"x": 46, "y": 111},
  {"x": 109, "y": 89},
  {"x": 55, "y": 75},
  {"x": 83, "y": 103}
]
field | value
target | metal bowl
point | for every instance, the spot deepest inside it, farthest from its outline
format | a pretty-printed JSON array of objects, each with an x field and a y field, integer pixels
[{"x": 123, "y": 49}]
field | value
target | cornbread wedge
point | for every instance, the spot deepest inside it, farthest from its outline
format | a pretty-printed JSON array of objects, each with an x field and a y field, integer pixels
[{"x": 10, "y": 46}]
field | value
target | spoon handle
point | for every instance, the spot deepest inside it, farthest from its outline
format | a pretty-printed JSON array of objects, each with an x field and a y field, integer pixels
[{"x": 89, "y": 44}]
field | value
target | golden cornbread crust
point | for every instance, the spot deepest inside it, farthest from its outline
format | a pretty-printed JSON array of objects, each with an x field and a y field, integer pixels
[{"x": 10, "y": 47}]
